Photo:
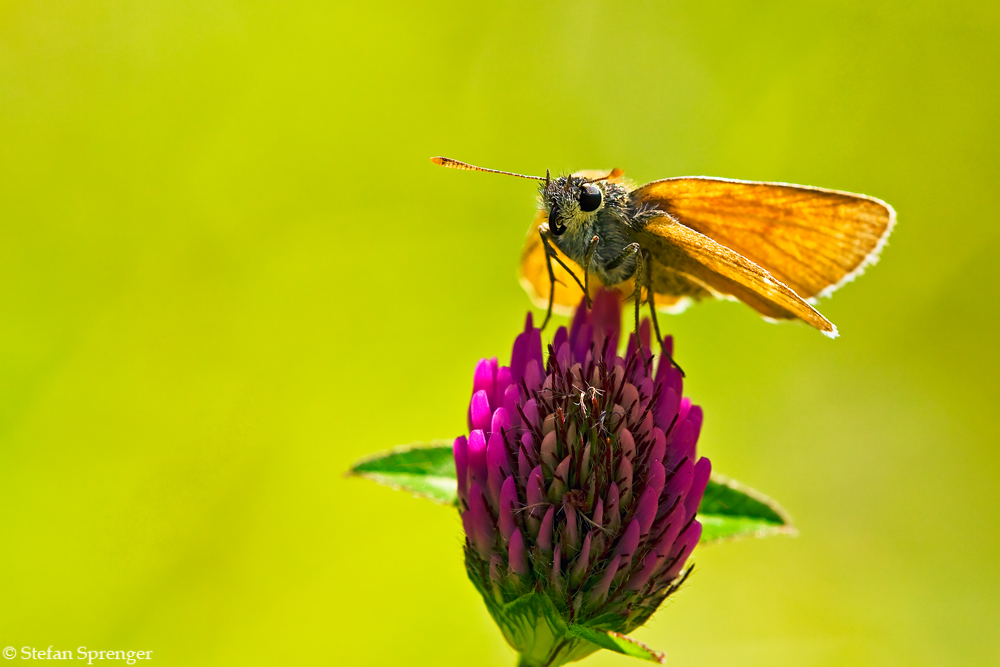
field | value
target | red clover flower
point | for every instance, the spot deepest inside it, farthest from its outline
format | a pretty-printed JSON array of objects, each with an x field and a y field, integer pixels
[{"x": 578, "y": 484}]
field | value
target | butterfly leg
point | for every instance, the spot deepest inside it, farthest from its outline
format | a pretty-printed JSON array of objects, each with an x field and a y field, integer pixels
[
  {"x": 637, "y": 298},
  {"x": 550, "y": 254},
  {"x": 650, "y": 299},
  {"x": 594, "y": 242},
  {"x": 633, "y": 250}
]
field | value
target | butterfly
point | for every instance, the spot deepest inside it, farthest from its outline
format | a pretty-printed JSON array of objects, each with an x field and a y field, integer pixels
[{"x": 776, "y": 247}]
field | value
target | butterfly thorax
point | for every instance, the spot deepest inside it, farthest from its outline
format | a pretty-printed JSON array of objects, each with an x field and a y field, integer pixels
[{"x": 572, "y": 228}]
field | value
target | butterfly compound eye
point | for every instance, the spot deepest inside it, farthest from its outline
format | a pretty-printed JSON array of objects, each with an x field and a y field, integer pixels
[{"x": 590, "y": 198}]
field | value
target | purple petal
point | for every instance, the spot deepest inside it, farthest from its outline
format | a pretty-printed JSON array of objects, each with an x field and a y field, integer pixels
[
  {"x": 631, "y": 347},
  {"x": 628, "y": 542},
  {"x": 656, "y": 477},
  {"x": 702, "y": 472},
  {"x": 689, "y": 539},
  {"x": 645, "y": 511},
  {"x": 533, "y": 377},
  {"x": 563, "y": 355},
  {"x": 496, "y": 480},
  {"x": 503, "y": 382},
  {"x": 530, "y": 409},
  {"x": 609, "y": 358},
  {"x": 679, "y": 483},
  {"x": 519, "y": 357},
  {"x": 477, "y": 459},
  {"x": 674, "y": 522},
  {"x": 508, "y": 504},
  {"x": 630, "y": 399},
  {"x": 579, "y": 320},
  {"x": 640, "y": 578},
  {"x": 665, "y": 370},
  {"x": 470, "y": 531},
  {"x": 645, "y": 388},
  {"x": 646, "y": 426},
  {"x": 496, "y": 454},
  {"x": 581, "y": 346},
  {"x": 493, "y": 395},
  {"x": 500, "y": 420},
  {"x": 515, "y": 555},
  {"x": 602, "y": 587},
  {"x": 562, "y": 470},
  {"x": 536, "y": 487},
  {"x": 580, "y": 567},
  {"x": 523, "y": 465},
  {"x": 658, "y": 449},
  {"x": 561, "y": 338},
  {"x": 547, "y": 452},
  {"x": 480, "y": 522},
  {"x": 544, "y": 540},
  {"x": 606, "y": 313},
  {"x": 535, "y": 347},
  {"x": 511, "y": 397},
  {"x": 571, "y": 532},
  {"x": 666, "y": 408},
  {"x": 482, "y": 378},
  {"x": 628, "y": 444},
  {"x": 624, "y": 479},
  {"x": 613, "y": 511},
  {"x": 598, "y": 517},
  {"x": 479, "y": 410},
  {"x": 682, "y": 412},
  {"x": 460, "y": 450},
  {"x": 687, "y": 438}
]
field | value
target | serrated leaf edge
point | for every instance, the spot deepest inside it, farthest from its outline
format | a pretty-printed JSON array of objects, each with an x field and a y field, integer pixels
[
  {"x": 400, "y": 449},
  {"x": 657, "y": 656},
  {"x": 787, "y": 527}
]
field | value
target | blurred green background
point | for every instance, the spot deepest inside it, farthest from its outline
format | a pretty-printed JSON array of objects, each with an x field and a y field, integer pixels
[{"x": 228, "y": 269}]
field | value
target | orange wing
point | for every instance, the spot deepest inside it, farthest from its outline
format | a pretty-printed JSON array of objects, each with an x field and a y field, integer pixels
[
  {"x": 812, "y": 240},
  {"x": 676, "y": 248}
]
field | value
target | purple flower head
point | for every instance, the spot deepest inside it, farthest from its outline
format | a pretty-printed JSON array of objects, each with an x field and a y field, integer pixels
[{"x": 579, "y": 479}]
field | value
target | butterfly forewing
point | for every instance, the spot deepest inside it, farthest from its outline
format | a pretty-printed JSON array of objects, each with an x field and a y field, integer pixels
[{"x": 811, "y": 239}]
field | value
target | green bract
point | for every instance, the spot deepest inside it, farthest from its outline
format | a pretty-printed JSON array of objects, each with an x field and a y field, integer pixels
[{"x": 729, "y": 510}]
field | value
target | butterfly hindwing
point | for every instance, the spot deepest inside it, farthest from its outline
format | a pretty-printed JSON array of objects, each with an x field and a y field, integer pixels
[{"x": 675, "y": 247}]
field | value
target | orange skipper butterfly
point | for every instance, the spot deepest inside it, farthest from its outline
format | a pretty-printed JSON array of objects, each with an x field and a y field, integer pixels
[{"x": 776, "y": 247}]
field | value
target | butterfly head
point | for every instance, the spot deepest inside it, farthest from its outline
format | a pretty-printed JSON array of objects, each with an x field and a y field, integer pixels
[{"x": 574, "y": 199}]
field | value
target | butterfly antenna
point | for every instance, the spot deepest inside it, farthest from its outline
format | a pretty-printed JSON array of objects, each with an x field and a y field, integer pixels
[{"x": 465, "y": 166}]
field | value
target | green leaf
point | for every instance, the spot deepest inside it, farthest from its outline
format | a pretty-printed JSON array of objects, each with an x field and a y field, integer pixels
[
  {"x": 426, "y": 470},
  {"x": 731, "y": 511},
  {"x": 614, "y": 641}
]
